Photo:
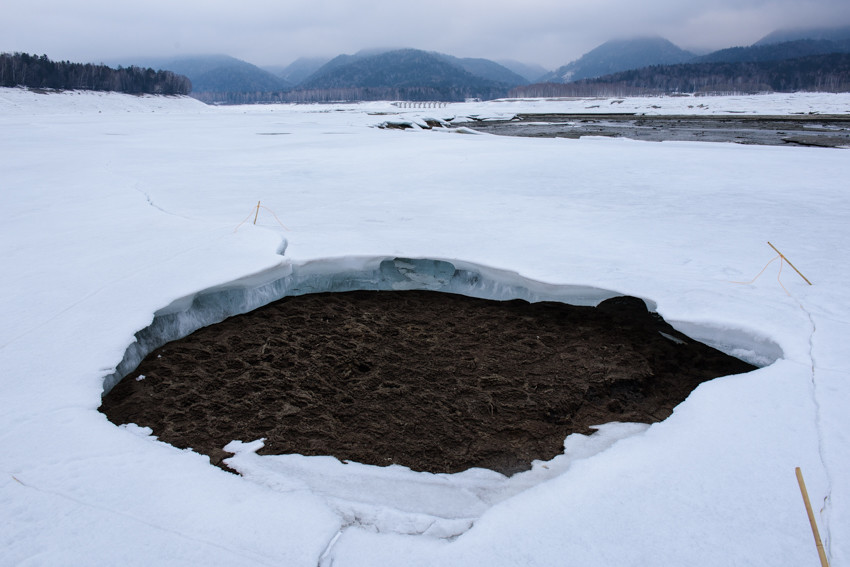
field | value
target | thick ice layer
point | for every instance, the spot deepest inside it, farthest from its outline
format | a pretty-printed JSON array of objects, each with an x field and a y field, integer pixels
[
  {"x": 757, "y": 350},
  {"x": 210, "y": 306}
]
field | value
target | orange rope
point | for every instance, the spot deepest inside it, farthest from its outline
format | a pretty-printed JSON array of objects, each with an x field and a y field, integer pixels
[
  {"x": 781, "y": 259},
  {"x": 275, "y": 217},
  {"x": 255, "y": 210},
  {"x": 762, "y": 271},
  {"x": 244, "y": 221}
]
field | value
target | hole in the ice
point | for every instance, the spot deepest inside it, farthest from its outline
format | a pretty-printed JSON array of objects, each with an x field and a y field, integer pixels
[{"x": 436, "y": 382}]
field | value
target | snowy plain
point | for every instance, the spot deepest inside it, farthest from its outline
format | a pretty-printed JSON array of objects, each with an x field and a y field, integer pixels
[{"x": 117, "y": 208}]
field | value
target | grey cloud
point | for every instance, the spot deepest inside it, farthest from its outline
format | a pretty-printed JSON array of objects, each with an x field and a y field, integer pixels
[{"x": 549, "y": 32}]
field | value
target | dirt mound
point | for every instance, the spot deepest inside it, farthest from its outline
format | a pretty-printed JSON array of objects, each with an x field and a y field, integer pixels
[{"x": 433, "y": 381}]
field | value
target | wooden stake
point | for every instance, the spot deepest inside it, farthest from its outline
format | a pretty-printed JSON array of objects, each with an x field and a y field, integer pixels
[
  {"x": 781, "y": 255},
  {"x": 823, "y": 560},
  {"x": 258, "y": 214}
]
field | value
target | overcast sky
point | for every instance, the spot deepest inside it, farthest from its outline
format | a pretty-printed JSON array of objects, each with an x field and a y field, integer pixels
[{"x": 276, "y": 32}]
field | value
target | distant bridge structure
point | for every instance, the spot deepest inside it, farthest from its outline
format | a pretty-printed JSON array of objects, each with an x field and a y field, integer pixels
[{"x": 420, "y": 104}]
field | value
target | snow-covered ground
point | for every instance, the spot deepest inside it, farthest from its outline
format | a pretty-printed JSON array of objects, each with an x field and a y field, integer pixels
[{"x": 118, "y": 207}]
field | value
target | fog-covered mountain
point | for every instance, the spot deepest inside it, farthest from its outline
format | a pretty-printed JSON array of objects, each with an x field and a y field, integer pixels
[
  {"x": 828, "y": 34},
  {"x": 218, "y": 75},
  {"x": 383, "y": 68},
  {"x": 412, "y": 74},
  {"x": 407, "y": 74},
  {"x": 619, "y": 55},
  {"x": 487, "y": 69},
  {"x": 299, "y": 69},
  {"x": 776, "y": 51},
  {"x": 529, "y": 71},
  {"x": 816, "y": 73}
]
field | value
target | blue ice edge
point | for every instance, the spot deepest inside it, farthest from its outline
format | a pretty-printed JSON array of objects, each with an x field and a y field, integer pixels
[{"x": 188, "y": 314}]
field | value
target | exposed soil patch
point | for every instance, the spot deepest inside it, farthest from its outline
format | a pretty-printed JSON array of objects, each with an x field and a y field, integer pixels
[{"x": 433, "y": 381}]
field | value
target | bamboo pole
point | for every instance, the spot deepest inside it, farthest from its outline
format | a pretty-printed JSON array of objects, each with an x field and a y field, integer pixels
[
  {"x": 821, "y": 553},
  {"x": 258, "y": 214},
  {"x": 781, "y": 255}
]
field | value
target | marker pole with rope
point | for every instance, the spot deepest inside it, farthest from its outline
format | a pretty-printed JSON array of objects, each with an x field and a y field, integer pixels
[
  {"x": 782, "y": 260},
  {"x": 256, "y": 210},
  {"x": 781, "y": 255}
]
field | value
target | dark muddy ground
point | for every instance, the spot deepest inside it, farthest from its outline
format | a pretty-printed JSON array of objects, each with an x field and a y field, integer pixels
[
  {"x": 801, "y": 130},
  {"x": 432, "y": 381}
]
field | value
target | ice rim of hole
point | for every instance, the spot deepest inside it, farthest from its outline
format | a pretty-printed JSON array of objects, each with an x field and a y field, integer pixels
[{"x": 396, "y": 499}]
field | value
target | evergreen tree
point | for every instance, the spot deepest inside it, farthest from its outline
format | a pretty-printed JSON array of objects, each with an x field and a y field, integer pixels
[{"x": 39, "y": 72}]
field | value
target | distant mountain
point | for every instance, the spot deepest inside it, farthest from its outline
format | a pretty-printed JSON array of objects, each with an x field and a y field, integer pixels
[
  {"x": 619, "y": 55},
  {"x": 332, "y": 65},
  {"x": 216, "y": 77},
  {"x": 828, "y": 34},
  {"x": 299, "y": 69},
  {"x": 817, "y": 73},
  {"x": 481, "y": 68},
  {"x": 528, "y": 71},
  {"x": 407, "y": 74},
  {"x": 776, "y": 51},
  {"x": 487, "y": 69}
]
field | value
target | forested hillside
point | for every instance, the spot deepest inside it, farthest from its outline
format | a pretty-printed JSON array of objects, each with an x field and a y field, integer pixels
[
  {"x": 406, "y": 74},
  {"x": 786, "y": 35},
  {"x": 776, "y": 51},
  {"x": 33, "y": 71},
  {"x": 820, "y": 73},
  {"x": 221, "y": 78},
  {"x": 619, "y": 55}
]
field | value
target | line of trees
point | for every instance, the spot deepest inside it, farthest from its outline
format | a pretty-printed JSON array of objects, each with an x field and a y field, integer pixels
[
  {"x": 413, "y": 93},
  {"x": 819, "y": 73},
  {"x": 39, "y": 72},
  {"x": 351, "y": 94},
  {"x": 238, "y": 97}
]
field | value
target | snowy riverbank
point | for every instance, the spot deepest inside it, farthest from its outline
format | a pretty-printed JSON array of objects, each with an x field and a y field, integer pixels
[{"x": 118, "y": 206}]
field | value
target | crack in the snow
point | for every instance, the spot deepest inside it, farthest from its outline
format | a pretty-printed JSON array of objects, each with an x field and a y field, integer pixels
[
  {"x": 157, "y": 207},
  {"x": 326, "y": 558},
  {"x": 825, "y": 509}
]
